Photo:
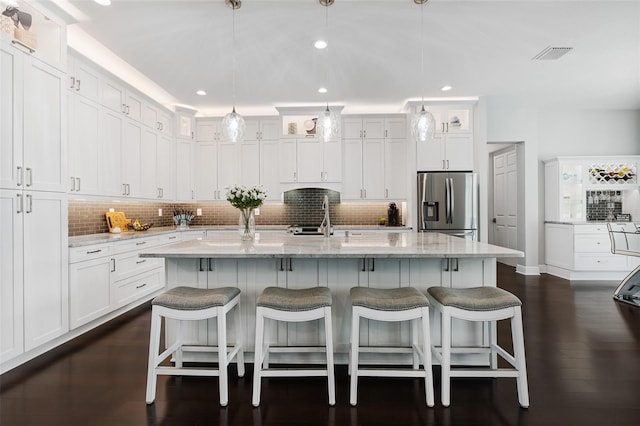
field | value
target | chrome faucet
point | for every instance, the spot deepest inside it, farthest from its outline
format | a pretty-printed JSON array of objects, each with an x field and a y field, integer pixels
[{"x": 325, "y": 226}]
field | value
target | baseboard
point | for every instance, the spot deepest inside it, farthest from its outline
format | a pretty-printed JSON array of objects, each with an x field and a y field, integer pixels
[
  {"x": 527, "y": 270},
  {"x": 568, "y": 274}
]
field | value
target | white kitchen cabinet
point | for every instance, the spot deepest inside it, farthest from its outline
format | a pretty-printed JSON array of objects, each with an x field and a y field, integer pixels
[
  {"x": 185, "y": 123},
  {"x": 112, "y": 150},
  {"x": 229, "y": 166},
  {"x": 451, "y": 148},
  {"x": 262, "y": 129},
  {"x": 148, "y": 164},
  {"x": 185, "y": 178},
  {"x": 288, "y": 160},
  {"x": 132, "y": 159},
  {"x": 165, "y": 169},
  {"x": 248, "y": 162},
  {"x": 89, "y": 289},
  {"x": 565, "y": 198},
  {"x": 208, "y": 129},
  {"x": 33, "y": 144},
  {"x": 118, "y": 97},
  {"x": 156, "y": 118},
  {"x": 316, "y": 160},
  {"x": 375, "y": 167},
  {"x": 309, "y": 153},
  {"x": 84, "y": 78},
  {"x": 206, "y": 164},
  {"x": 84, "y": 145},
  {"x": 270, "y": 169}
]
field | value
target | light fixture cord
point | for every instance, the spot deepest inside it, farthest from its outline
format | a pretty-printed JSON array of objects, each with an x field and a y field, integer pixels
[
  {"x": 326, "y": 68},
  {"x": 233, "y": 58},
  {"x": 422, "y": 49}
]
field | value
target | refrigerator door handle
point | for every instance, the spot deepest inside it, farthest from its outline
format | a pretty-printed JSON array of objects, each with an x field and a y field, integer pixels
[
  {"x": 451, "y": 200},
  {"x": 447, "y": 187}
]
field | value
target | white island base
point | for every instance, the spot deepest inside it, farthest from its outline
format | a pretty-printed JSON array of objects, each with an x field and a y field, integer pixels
[{"x": 376, "y": 261}]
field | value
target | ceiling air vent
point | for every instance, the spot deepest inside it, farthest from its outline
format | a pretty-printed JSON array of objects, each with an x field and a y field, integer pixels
[{"x": 552, "y": 53}]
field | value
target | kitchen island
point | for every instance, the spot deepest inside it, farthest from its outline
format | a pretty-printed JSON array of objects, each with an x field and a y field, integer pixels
[{"x": 375, "y": 260}]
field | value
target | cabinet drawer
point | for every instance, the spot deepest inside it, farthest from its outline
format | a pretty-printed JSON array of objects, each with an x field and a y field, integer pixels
[
  {"x": 600, "y": 262},
  {"x": 585, "y": 243},
  {"x": 80, "y": 254},
  {"x": 131, "y": 264},
  {"x": 169, "y": 238},
  {"x": 591, "y": 229},
  {"x": 134, "y": 288},
  {"x": 135, "y": 244}
]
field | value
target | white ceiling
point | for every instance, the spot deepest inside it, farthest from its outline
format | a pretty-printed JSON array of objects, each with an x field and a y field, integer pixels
[{"x": 481, "y": 48}]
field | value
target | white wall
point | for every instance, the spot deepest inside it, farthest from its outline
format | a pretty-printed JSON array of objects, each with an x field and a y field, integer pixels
[{"x": 553, "y": 132}]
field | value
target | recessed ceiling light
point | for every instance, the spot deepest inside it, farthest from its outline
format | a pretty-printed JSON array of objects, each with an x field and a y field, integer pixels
[
  {"x": 446, "y": 88},
  {"x": 103, "y": 2},
  {"x": 320, "y": 44},
  {"x": 201, "y": 92},
  {"x": 322, "y": 90}
]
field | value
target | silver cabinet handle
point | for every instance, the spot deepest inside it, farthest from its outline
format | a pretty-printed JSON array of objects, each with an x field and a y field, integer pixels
[
  {"x": 20, "y": 203},
  {"x": 447, "y": 127},
  {"x": 364, "y": 265},
  {"x": 445, "y": 265},
  {"x": 141, "y": 261},
  {"x": 295, "y": 176},
  {"x": 200, "y": 264},
  {"x": 73, "y": 184},
  {"x": 124, "y": 108},
  {"x": 365, "y": 193},
  {"x": 141, "y": 243},
  {"x": 124, "y": 189},
  {"x": 19, "y": 176},
  {"x": 77, "y": 85},
  {"x": 456, "y": 267},
  {"x": 78, "y": 181},
  {"x": 290, "y": 264},
  {"x": 372, "y": 268},
  {"x": 94, "y": 251},
  {"x": 211, "y": 265},
  {"x": 386, "y": 133},
  {"x": 73, "y": 82},
  {"x": 113, "y": 265},
  {"x": 386, "y": 193},
  {"x": 447, "y": 164},
  {"x": 29, "y": 176},
  {"x": 443, "y": 164},
  {"x": 127, "y": 109},
  {"x": 365, "y": 133},
  {"x": 29, "y": 204},
  {"x": 128, "y": 189},
  {"x": 142, "y": 285}
]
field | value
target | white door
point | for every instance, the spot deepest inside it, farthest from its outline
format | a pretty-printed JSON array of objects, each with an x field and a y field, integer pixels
[{"x": 505, "y": 200}]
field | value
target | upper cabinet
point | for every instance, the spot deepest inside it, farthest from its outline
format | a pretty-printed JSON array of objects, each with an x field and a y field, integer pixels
[
  {"x": 451, "y": 148},
  {"x": 84, "y": 78},
  {"x": 185, "y": 123},
  {"x": 38, "y": 32}
]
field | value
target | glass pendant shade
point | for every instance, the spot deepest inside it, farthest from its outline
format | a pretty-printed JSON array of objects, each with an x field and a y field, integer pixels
[
  {"x": 233, "y": 127},
  {"x": 327, "y": 126},
  {"x": 423, "y": 126}
]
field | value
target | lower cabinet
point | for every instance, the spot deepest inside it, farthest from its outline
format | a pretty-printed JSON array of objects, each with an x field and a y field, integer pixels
[{"x": 106, "y": 277}]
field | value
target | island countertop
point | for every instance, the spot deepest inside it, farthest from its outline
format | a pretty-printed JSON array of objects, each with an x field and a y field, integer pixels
[{"x": 373, "y": 245}]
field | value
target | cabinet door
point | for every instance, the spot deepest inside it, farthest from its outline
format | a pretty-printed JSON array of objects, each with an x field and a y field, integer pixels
[
  {"x": 84, "y": 79},
  {"x": 206, "y": 171},
  {"x": 270, "y": 129},
  {"x": 10, "y": 118},
  {"x": 89, "y": 290},
  {"x": 165, "y": 167},
  {"x": 131, "y": 158},
  {"x": 252, "y": 130},
  {"x": 46, "y": 314},
  {"x": 270, "y": 168},
  {"x": 249, "y": 152},
  {"x": 395, "y": 128},
  {"x": 352, "y": 182},
  {"x": 148, "y": 164},
  {"x": 184, "y": 170},
  {"x": 165, "y": 120},
  {"x": 459, "y": 151},
  {"x": 395, "y": 169},
  {"x": 207, "y": 131},
  {"x": 113, "y": 96},
  {"x": 352, "y": 128},
  {"x": 150, "y": 116},
  {"x": 288, "y": 160},
  {"x": 228, "y": 170},
  {"x": 11, "y": 280},
  {"x": 309, "y": 153},
  {"x": 186, "y": 125},
  {"x": 111, "y": 153},
  {"x": 373, "y": 128},
  {"x": 332, "y": 160},
  {"x": 373, "y": 168},
  {"x": 84, "y": 143},
  {"x": 134, "y": 106},
  {"x": 45, "y": 155},
  {"x": 430, "y": 154}
]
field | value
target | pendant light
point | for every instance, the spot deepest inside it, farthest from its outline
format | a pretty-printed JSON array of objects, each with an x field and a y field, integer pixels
[
  {"x": 423, "y": 124},
  {"x": 327, "y": 126},
  {"x": 233, "y": 125}
]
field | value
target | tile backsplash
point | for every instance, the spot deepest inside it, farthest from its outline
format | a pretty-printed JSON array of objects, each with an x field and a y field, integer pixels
[
  {"x": 600, "y": 202},
  {"x": 300, "y": 207}
]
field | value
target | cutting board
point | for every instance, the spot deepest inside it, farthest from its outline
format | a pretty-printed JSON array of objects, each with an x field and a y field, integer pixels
[{"x": 117, "y": 219}]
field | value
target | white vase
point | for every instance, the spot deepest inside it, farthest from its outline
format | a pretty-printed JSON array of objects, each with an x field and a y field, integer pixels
[{"x": 247, "y": 224}]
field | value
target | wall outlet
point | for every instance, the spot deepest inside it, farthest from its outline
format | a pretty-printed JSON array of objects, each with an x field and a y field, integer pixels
[
  {"x": 198, "y": 212},
  {"x": 257, "y": 211},
  {"x": 159, "y": 212},
  {"x": 111, "y": 210}
]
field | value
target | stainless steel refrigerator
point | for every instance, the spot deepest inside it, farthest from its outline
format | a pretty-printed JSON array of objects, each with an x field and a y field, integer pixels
[{"x": 448, "y": 203}]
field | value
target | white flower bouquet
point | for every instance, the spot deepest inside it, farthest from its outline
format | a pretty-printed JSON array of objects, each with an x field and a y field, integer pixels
[{"x": 246, "y": 200}]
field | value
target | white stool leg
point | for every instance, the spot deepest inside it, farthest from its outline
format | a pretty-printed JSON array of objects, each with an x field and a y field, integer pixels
[
  {"x": 517, "y": 335},
  {"x": 154, "y": 343},
  {"x": 177, "y": 355},
  {"x": 414, "y": 343},
  {"x": 331, "y": 378},
  {"x": 239, "y": 331},
  {"x": 446, "y": 358},
  {"x": 257, "y": 361},
  {"x": 493, "y": 342},
  {"x": 223, "y": 371},
  {"x": 353, "y": 362},
  {"x": 426, "y": 351}
]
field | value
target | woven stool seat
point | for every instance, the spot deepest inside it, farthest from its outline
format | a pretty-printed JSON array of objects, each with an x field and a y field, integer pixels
[
  {"x": 190, "y": 298},
  {"x": 392, "y": 299},
  {"x": 286, "y": 299},
  {"x": 474, "y": 298}
]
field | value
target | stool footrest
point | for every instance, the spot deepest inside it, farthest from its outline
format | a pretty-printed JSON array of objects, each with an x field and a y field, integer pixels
[
  {"x": 293, "y": 372},
  {"x": 187, "y": 371},
  {"x": 390, "y": 372},
  {"x": 296, "y": 349},
  {"x": 500, "y": 372}
]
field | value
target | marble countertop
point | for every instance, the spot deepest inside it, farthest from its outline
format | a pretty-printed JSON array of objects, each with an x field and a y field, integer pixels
[
  {"x": 366, "y": 245},
  {"x": 85, "y": 240}
]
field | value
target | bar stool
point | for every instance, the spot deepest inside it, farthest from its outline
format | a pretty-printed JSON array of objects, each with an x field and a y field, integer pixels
[
  {"x": 397, "y": 304},
  {"x": 193, "y": 304},
  {"x": 292, "y": 305},
  {"x": 481, "y": 304}
]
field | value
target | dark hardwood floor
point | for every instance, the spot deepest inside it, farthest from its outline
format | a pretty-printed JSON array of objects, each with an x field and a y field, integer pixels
[{"x": 583, "y": 358}]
